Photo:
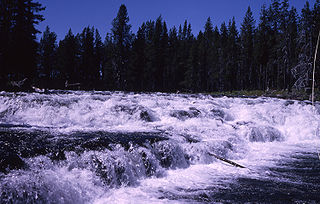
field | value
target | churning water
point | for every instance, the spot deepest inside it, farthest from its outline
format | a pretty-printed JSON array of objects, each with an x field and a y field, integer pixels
[{"x": 114, "y": 147}]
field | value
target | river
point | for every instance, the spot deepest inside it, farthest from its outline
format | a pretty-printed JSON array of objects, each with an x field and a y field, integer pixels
[{"x": 116, "y": 147}]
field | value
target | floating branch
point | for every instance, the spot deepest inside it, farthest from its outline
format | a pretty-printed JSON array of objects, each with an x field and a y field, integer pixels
[{"x": 226, "y": 160}]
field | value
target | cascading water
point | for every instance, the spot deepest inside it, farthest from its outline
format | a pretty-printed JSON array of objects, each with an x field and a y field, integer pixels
[{"x": 114, "y": 147}]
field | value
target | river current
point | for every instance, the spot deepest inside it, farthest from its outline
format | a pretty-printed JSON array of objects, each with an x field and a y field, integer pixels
[{"x": 115, "y": 147}]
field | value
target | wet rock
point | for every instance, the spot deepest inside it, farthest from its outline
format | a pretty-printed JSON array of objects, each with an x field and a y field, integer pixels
[
  {"x": 36, "y": 143},
  {"x": 10, "y": 161},
  {"x": 58, "y": 156},
  {"x": 145, "y": 114},
  {"x": 123, "y": 108},
  {"x": 220, "y": 114},
  {"x": 148, "y": 115},
  {"x": 184, "y": 115},
  {"x": 191, "y": 138},
  {"x": 264, "y": 134},
  {"x": 244, "y": 123},
  {"x": 170, "y": 155},
  {"x": 287, "y": 103},
  {"x": 150, "y": 163}
]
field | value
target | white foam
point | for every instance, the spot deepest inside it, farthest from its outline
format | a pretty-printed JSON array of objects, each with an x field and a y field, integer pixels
[{"x": 223, "y": 126}]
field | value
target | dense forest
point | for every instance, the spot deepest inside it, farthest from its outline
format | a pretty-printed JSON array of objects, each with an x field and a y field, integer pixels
[{"x": 275, "y": 52}]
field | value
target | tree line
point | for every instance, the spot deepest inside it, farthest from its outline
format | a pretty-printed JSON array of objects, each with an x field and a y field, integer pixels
[{"x": 277, "y": 53}]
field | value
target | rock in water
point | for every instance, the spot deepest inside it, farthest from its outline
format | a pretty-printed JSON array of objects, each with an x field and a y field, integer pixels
[{"x": 10, "y": 161}]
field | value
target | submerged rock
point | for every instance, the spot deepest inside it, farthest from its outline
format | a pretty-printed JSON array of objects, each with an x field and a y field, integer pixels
[
  {"x": 264, "y": 134},
  {"x": 10, "y": 161},
  {"x": 184, "y": 115},
  {"x": 143, "y": 113},
  {"x": 35, "y": 143},
  {"x": 221, "y": 115},
  {"x": 170, "y": 155}
]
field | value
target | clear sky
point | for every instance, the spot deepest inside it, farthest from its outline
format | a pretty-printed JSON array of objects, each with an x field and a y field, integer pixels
[{"x": 61, "y": 15}]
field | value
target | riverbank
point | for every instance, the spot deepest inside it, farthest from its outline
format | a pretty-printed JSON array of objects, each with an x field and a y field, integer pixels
[{"x": 283, "y": 94}]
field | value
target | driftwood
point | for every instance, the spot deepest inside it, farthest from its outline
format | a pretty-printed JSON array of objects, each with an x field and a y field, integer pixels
[
  {"x": 226, "y": 160},
  {"x": 18, "y": 84},
  {"x": 66, "y": 84},
  {"x": 39, "y": 90}
]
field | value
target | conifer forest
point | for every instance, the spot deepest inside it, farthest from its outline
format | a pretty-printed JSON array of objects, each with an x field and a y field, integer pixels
[
  {"x": 154, "y": 112},
  {"x": 275, "y": 51}
]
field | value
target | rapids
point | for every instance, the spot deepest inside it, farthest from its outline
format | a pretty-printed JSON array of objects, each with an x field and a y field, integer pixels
[{"x": 115, "y": 147}]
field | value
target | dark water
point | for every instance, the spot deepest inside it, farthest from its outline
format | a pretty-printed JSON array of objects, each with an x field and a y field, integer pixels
[{"x": 102, "y": 147}]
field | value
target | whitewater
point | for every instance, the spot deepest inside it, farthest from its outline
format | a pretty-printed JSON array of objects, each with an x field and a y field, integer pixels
[{"x": 116, "y": 147}]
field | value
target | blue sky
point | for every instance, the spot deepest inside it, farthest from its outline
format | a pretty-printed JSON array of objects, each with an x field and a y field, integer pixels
[{"x": 61, "y": 15}]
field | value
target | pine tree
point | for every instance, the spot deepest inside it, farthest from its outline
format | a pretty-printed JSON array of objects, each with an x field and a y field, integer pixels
[
  {"x": 164, "y": 46},
  {"x": 192, "y": 78},
  {"x": 109, "y": 75},
  {"x": 232, "y": 63},
  {"x": 292, "y": 46},
  {"x": 122, "y": 40},
  {"x": 316, "y": 29},
  {"x": 138, "y": 60},
  {"x": 274, "y": 14},
  {"x": 6, "y": 52},
  {"x": 156, "y": 58},
  {"x": 173, "y": 44},
  {"x": 68, "y": 58},
  {"x": 247, "y": 72},
  {"x": 302, "y": 71},
  {"x": 48, "y": 57},
  {"x": 18, "y": 34},
  {"x": 150, "y": 53},
  {"x": 98, "y": 59},
  {"x": 283, "y": 57},
  {"x": 184, "y": 45},
  {"x": 223, "y": 57},
  {"x": 88, "y": 71},
  {"x": 208, "y": 51},
  {"x": 262, "y": 49}
]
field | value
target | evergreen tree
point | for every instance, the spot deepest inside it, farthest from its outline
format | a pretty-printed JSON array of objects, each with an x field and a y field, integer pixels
[
  {"x": 48, "y": 57},
  {"x": 302, "y": 71},
  {"x": 278, "y": 54},
  {"x": 108, "y": 74},
  {"x": 138, "y": 60},
  {"x": 262, "y": 49},
  {"x": 18, "y": 53},
  {"x": 292, "y": 52},
  {"x": 88, "y": 71},
  {"x": 150, "y": 53},
  {"x": 223, "y": 57},
  {"x": 98, "y": 58},
  {"x": 283, "y": 56},
  {"x": 173, "y": 44},
  {"x": 164, "y": 47},
  {"x": 274, "y": 14},
  {"x": 247, "y": 72},
  {"x": 208, "y": 62},
  {"x": 184, "y": 45},
  {"x": 232, "y": 61},
  {"x": 192, "y": 77},
  {"x": 316, "y": 29},
  {"x": 6, "y": 52},
  {"x": 122, "y": 39},
  {"x": 68, "y": 58},
  {"x": 157, "y": 57}
]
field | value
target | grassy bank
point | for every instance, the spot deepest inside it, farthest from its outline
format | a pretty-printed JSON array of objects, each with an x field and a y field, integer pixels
[{"x": 284, "y": 94}]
